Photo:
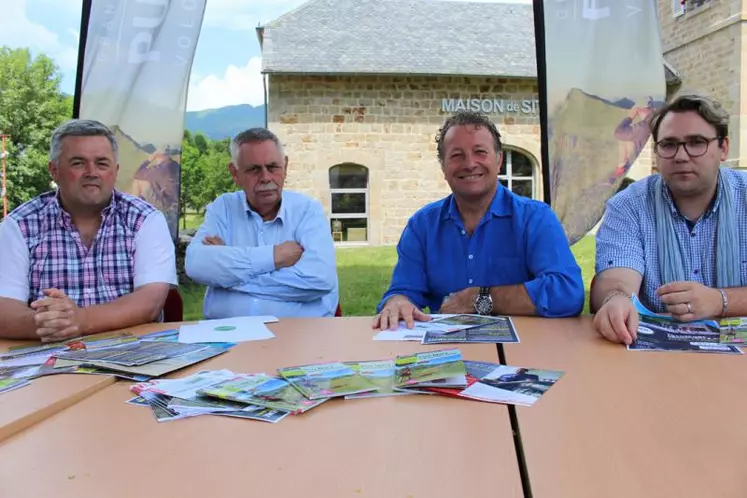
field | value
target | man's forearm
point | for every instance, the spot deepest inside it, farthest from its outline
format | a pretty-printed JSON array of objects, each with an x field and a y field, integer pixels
[
  {"x": 606, "y": 287},
  {"x": 511, "y": 300},
  {"x": 227, "y": 266},
  {"x": 142, "y": 306},
  {"x": 17, "y": 320}
]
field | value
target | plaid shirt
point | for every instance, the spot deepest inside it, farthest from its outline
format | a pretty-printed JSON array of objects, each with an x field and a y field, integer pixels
[
  {"x": 627, "y": 236},
  {"x": 58, "y": 258}
]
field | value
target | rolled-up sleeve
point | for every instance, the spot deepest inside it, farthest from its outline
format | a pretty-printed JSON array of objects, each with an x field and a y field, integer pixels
[
  {"x": 618, "y": 240},
  {"x": 14, "y": 263},
  {"x": 557, "y": 289},
  {"x": 409, "y": 277}
]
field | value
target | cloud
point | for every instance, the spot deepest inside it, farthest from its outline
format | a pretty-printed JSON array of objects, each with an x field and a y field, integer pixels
[
  {"x": 16, "y": 30},
  {"x": 239, "y": 85}
]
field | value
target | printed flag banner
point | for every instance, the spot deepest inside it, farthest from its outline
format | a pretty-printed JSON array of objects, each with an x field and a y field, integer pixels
[
  {"x": 136, "y": 67},
  {"x": 605, "y": 77}
]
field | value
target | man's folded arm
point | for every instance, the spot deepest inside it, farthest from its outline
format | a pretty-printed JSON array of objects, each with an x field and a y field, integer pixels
[
  {"x": 409, "y": 277},
  {"x": 224, "y": 266},
  {"x": 315, "y": 273}
]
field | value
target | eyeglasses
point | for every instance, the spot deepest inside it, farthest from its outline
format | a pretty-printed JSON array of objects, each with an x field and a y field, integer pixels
[{"x": 694, "y": 146}]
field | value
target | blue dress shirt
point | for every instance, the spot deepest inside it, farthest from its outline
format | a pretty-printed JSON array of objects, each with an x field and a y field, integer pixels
[
  {"x": 518, "y": 241},
  {"x": 241, "y": 276}
]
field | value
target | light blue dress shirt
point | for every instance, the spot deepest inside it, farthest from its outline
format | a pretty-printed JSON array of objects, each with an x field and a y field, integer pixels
[{"x": 241, "y": 276}]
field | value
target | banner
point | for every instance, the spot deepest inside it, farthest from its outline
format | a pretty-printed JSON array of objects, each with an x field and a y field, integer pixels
[
  {"x": 604, "y": 73},
  {"x": 138, "y": 57}
]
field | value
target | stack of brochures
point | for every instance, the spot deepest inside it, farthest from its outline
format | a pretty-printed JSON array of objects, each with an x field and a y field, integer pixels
[
  {"x": 455, "y": 329},
  {"x": 118, "y": 353},
  {"x": 297, "y": 389}
]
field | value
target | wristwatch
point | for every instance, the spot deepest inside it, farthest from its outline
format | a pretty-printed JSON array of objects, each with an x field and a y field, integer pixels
[{"x": 483, "y": 301}]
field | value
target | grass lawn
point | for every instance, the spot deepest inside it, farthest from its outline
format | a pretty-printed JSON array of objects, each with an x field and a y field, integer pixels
[
  {"x": 364, "y": 274},
  {"x": 190, "y": 220}
]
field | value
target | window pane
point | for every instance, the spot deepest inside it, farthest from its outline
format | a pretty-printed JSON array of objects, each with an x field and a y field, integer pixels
[
  {"x": 348, "y": 203},
  {"x": 522, "y": 187},
  {"x": 349, "y": 230},
  {"x": 504, "y": 182},
  {"x": 504, "y": 161},
  {"x": 520, "y": 165},
  {"x": 348, "y": 176}
]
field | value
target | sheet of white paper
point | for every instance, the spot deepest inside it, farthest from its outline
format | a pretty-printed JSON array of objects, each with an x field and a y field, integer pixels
[
  {"x": 237, "y": 329},
  {"x": 416, "y": 333}
]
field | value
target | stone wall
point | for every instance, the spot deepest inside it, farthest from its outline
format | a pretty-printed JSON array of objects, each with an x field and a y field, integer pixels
[
  {"x": 706, "y": 46},
  {"x": 387, "y": 124}
]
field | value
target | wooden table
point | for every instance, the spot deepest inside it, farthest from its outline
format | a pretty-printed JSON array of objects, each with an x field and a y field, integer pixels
[
  {"x": 406, "y": 446},
  {"x": 45, "y": 396},
  {"x": 630, "y": 423}
]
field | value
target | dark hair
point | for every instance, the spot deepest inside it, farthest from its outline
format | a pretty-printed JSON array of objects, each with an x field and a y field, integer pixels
[
  {"x": 710, "y": 110},
  {"x": 253, "y": 135},
  {"x": 79, "y": 128},
  {"x": 462, "y": 118}
]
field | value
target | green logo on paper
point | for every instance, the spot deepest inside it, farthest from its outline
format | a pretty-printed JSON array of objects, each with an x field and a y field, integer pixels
[{"x": 224, "y": 328}]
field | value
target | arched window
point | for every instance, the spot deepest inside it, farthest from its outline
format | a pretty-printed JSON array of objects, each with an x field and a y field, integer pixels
[
  {"x": 348, "y": 192},
  {"x": 517, "y": 173}
]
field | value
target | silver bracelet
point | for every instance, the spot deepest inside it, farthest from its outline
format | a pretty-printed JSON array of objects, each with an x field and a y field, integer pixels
[
  {"x": 613, "y": 294},
  {"x": 724, "y": 302}
]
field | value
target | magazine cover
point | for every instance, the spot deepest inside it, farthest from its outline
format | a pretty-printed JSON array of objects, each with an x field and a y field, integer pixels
[
  {"x": 380, "y": 374},
  {"x": 411, "y": 370},
  {"x": 513, "y": 385},
  {"x": 262, "y": 390},
  {"x": 656, "y": 334},
  {"x": 733, "y": 331},
  {"x": 499, "y": 330},
  {"x": 326, "y": 380}
]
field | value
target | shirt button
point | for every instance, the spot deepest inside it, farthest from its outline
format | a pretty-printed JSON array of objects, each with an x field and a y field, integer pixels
[
  {"x": 471, "y": 256},
  {"x": 695, "y": 272},
  {"x": 469, "y": 281},
  {"x": 464, "y": 232},
  {"x": 692, "y": 234}
]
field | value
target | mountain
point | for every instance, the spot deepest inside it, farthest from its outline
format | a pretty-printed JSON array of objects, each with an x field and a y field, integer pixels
[{"x": 225, "y": 122}]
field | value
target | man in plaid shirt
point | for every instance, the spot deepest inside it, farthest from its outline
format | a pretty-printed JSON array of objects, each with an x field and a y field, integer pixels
[{"x": 84, "y": 258}]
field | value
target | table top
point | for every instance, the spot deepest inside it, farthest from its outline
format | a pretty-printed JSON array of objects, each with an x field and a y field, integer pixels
[
  {"x": 630, "y": 423},
  {"x": 45, "y": 396},
  {"x": 403, "y": 446}
]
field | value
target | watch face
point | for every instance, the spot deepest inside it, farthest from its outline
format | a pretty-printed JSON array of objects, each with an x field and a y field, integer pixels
[{"x": 483, "y": 305}]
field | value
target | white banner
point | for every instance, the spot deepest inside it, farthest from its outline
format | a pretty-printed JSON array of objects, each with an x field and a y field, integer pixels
[
  {"x": 138, "y": 58},
  {"x": 605, "y": 77}
]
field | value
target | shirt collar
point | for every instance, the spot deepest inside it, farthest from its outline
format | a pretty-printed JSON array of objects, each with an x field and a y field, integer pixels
[
  {"x": 67, "y": 221},
  {"x": 281, "y": 212},
  {"x": 500, "y": 205},
  {"x": 712, "y": 208}
]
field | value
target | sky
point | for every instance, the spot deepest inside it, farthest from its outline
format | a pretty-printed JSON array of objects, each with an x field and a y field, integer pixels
[{"x": 227, "y": 64}]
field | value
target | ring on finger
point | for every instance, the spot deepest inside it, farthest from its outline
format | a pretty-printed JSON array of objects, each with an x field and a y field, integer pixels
[{"x": 689, "y": 308}]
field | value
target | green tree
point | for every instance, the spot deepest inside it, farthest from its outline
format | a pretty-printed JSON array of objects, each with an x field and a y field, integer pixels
[{"x": 31, "y": 106}]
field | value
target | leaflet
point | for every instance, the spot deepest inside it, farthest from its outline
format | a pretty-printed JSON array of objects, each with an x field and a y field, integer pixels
[
  {"x": 499, "y": 330},
  {"x": 413, "y": 370},
  {"x": 326, "y": 380},
  {"x": 513, "y": 385}
]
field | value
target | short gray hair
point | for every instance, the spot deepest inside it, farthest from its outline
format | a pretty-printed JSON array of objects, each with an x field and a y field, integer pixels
[
  {"x": 711, "y": 111},
  {"x": 79, "y": 128},
  {"x": 253, "y": 135}
]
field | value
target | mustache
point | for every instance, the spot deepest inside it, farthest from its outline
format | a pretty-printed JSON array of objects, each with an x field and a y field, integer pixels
[{"x": 266, "y": 187}]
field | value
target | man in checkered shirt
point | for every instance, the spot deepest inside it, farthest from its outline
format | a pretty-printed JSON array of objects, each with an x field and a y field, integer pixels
[
  {"x": 677, "y": 239},
  {"x": 83, "y": 258}
]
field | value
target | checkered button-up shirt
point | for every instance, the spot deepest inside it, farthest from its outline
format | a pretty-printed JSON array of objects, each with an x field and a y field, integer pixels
[
  {"x": 627, "y": 236},
  {"x": 58, "y": 257}
]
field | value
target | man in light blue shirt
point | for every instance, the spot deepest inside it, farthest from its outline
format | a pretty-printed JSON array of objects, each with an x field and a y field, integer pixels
[
  {"x": 262, "y": 251},
  {"x": 482, "y": 249}
]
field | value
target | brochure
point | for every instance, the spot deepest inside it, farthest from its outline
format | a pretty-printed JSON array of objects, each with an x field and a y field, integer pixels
[
  {"x": 380, "y": 374},
  {"x": 9, "y": 384},
  {"x": 326, "y": 380},
  {"x": 733, "y": 331},
  {"x": 419, "y": 368},
  {"x": 513, "y": 385},
  {"x": 499, "y": 330},
  {"x": 262, "y": 390}
]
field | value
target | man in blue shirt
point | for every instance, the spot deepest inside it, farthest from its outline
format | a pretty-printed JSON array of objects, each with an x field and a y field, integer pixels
[
  {"x": 678, "y": 239},
  {"x": 482, "y": 249},
  {"x": 262, "y": 251}
]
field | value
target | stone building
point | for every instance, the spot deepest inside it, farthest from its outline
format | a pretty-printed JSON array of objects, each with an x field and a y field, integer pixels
[
  {"x": 359, "y": 123},
  {"x": 706, "y": 40}
]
